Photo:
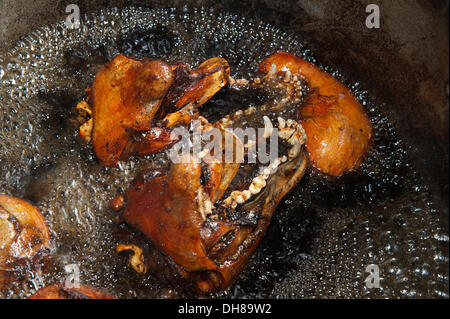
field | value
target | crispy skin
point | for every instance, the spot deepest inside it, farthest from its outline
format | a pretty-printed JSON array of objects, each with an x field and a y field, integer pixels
[
  {"x": 126, "y": 95},
  {"x": 206, "y": 80},
  {"x": 192, "y": 89},
  {"x": 23, "y": 234},
  {"x": 23, "y": 231},
  {"x": 59, "y": 292},
  {"x": 129, "y": 95},
  {"x": 337, "y": 126},
  {"x": 152, "y": 141},
  {"x": 164, "y": 208}
]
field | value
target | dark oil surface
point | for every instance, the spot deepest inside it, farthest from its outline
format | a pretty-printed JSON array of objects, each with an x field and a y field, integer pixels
[{"x": 324, "y": 233}]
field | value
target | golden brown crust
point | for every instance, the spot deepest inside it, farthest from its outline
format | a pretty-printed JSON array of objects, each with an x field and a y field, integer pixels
[
  {"x": 165, "y": 209},
  {"x": 23, "y": 235},
  {"x": 207, "y": 80},
  {"x": 129, "y": 95},
  {"x": 23, "y": 230},
  {"x": 126, "y": 95},
  {"x": 337, "y": 126}
]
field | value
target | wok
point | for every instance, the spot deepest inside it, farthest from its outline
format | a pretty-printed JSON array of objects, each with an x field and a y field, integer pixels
[{"x": 325, "y": 233}]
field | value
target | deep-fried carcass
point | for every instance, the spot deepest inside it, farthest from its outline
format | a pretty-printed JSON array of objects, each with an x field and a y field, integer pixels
[
  {"x": 209, "y": 217},
  {"x": 133, "y": 104}
]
